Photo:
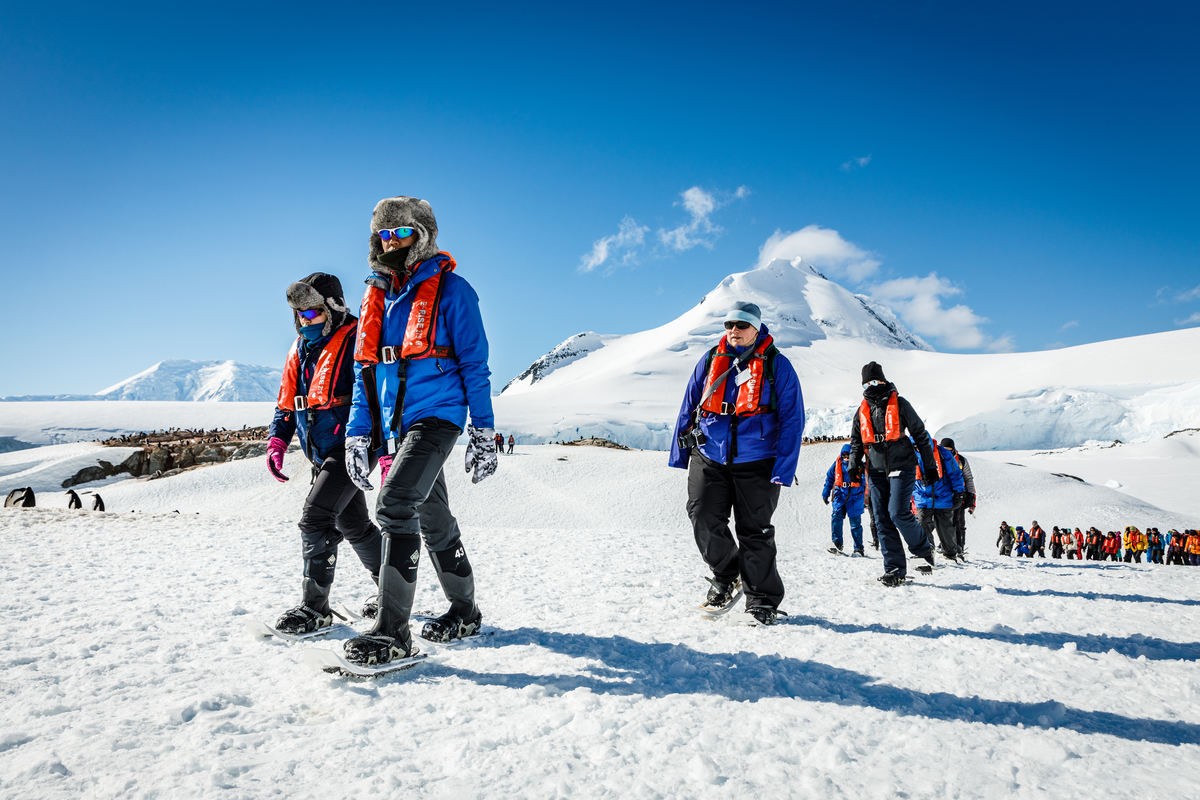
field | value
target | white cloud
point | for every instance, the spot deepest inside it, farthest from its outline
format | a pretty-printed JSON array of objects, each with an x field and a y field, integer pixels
[
  {"x": 1194, "y": 319},
  {"x": 856, "y": 163},
  {"x": 1004, "y": 344},
  {"x": 1066, "y": 326},
  {"x": 824, "y": 248},
  {"x": 700, "y": 230},
  {"x": 1189, "y": 295},
  {"x": 623, "y": 244},
  {"x": 920, "y": 303}
]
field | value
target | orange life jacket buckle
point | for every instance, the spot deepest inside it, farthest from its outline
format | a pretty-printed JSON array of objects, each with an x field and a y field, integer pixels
[
  {"x": 300, "y": 402},
  {"x": 389, "y": 354}
]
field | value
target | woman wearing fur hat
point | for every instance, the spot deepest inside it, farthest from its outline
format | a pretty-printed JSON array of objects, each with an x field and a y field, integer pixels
[
  {"x": 878, "y": 433},
  {"x": 421, "y": 366},
  {"x": 314, "y": 400}
]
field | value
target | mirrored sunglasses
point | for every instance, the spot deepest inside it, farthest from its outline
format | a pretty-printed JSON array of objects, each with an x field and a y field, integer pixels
[
  {"x": 311, "y": 313},
  {"x": 869, "y": 384},
  {"x": 741, "y": 325},
  {"x": 388, "y": 234}
]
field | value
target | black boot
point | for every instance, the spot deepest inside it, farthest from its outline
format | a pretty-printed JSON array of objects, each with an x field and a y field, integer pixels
[
  {"x": 312, "y": 614},
  {"x": 389, "y": 638}
]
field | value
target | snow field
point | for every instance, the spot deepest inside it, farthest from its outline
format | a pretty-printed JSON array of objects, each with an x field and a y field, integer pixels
[{"x": 129, "y": 672}]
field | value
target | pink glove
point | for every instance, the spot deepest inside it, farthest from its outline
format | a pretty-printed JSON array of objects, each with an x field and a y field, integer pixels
[
  {"x": 275, "y": 450},
  {"x": 385, "y": 463}
]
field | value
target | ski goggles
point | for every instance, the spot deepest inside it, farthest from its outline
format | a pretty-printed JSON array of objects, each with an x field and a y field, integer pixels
[
  {"x": 739, "y": 324},
  {"x": 311, "y": 313},
  {"x": 870, "y": 384},
  {"x": 388, "y": 234}
]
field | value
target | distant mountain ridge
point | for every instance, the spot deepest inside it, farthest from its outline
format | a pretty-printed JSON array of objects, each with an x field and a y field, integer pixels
[
  {"x": 188, "y": 381},
  {"x": 627, "y": 388}
]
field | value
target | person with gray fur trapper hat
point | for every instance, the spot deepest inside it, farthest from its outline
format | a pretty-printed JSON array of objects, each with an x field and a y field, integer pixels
[
  {"x": 878, "y": 433},
  {"x": 314, "y": 400},
  {"x": 421, "y": 367}
]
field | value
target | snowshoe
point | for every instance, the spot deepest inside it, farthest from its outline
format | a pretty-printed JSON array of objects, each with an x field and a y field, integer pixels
[
  {"x": 371, "y": 648},
  {"x": 926, "y": 569},
  {"x": 765, "y": 615},
  {"x": 858, "y": 553},
  {"x": 837, "y": 551},
  {"x": 303, "y": 619},
  {"x": 450, "y": 626},
  {"x": 721, "y": 595},
  {"x": 892, "y": 579}
]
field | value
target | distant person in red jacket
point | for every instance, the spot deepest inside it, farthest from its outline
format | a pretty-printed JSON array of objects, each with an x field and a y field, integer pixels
[
  {"x": 1112, "y": 546},
  {"x": 511, "y": 443},
  {"x": 499, "y": 442}
]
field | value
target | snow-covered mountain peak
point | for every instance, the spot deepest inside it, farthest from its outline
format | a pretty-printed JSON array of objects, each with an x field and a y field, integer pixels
[
  {"x": 801, "y": 306},
  {"x": 198, "y": 381}
]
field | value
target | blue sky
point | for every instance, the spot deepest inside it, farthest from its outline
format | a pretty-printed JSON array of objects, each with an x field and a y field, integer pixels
[{"x": 1012, "y": 177}]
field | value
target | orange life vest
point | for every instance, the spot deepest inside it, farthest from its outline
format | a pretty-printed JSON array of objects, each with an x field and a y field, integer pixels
[
  {"x": 324, "y": 379},
  {"x": 749, "y": 394},
  {"x": 420, "y": 334},
  {"x": 937, "y": 457},
  {"x": 891, "y": 418},
  {"x": 839, "y": 477}
]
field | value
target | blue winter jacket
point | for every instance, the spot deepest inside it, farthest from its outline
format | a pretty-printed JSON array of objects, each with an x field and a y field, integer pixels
[
  {"x": 436, "y": 387},
  {"x": 739, "y": 440},
  {"x": 322, "y": 432},
  {"x": 942, "y": 493},
  {"x": 843, "y": 498}
]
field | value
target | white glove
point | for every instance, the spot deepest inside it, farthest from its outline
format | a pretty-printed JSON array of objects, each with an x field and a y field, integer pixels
[
  {"x": 358, "y": 461},
  {"x": 481, "y": 452}
]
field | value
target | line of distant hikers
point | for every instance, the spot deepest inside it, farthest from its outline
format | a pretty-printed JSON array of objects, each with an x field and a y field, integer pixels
[{"x": 1172, "y": 547}]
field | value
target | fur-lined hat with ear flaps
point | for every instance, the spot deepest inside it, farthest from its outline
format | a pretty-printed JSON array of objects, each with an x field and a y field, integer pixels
[
  {"x": 404, "y": 212},
  {"x": 319, "y": 290}
]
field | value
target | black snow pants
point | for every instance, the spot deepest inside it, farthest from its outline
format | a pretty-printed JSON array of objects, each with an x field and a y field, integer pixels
[
  {"x": 335, "y": 509},
  {"x": 943, "y": 520},
  {"x": 414, "y": 505},
  {"x": 715, "y": 490}
]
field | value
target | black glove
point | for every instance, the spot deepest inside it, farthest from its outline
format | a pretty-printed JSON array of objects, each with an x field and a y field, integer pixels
[
  {"x": 929, "y": 479},
  {"x": 825, "y": 497},
  {"x": 855, "y": 475},
  {"x": 958, "y": 499}
]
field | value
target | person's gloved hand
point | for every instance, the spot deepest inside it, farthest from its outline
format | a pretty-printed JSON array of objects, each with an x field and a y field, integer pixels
[
  {"x": 275, "y": 450},
  {"x": 970, "y": 503},
  {"x": 959, "y": 497},
  {"x": 825, "y": 497},
  {"x": 385, "y": 464},
  {"x": 855, "y": 475},
  {"x": 358, "y": 461},
  {"x": 481, "y": 452},
  {"x": 929, "y": 478}
]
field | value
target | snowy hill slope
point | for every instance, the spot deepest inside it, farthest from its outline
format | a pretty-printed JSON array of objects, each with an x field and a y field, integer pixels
[
  {"x": 601, "y": 679},
  {"x": 198, "y": 381},
  {"x": 1131, "y": 389}
]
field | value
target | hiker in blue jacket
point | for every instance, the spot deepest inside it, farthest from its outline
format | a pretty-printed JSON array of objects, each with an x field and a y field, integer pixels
[
  {"x": 936, "y": 502},
  {"x": 738, "y": 435},
  {"x": 847, "y": 501},
  {"x": 420, "y": 367}
]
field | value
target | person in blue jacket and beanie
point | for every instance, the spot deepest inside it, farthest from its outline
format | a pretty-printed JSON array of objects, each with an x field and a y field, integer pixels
[
  {"x": 937, "y": 502},
  {"x": 314, "y": 401},
  {"x": 421, "y": 366},
  {"x": 738, "y": 435},
  {"x": 847, "y": 497}
]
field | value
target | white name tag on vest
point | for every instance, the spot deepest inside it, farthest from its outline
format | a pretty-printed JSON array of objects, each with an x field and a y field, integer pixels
[{"x": 742, "y": 377}]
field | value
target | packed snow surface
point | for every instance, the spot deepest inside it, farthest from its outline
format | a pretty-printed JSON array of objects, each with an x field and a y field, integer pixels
[{"x": 129, "y": 672}]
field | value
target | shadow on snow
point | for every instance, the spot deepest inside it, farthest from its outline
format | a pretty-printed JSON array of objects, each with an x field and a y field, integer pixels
[
  {"x": 1124, "y": 598},
  {"x": 628, "y": 667},
  {"x": 1131, "y": 646}
]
